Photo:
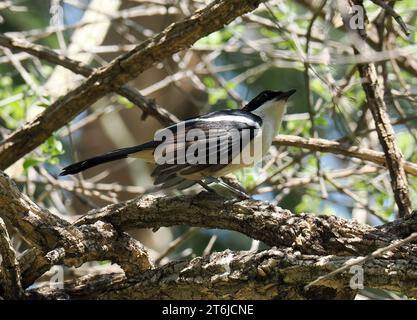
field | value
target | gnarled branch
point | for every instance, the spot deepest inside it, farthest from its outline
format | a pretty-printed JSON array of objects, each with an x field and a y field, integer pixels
[
  {"x": 10, "y": 270},
  {"x": 59, "y": 242},
  {"x": 273, "y": 225},
  {"x": 271, "y": 274},
  {"x": 316, "y": 238}
]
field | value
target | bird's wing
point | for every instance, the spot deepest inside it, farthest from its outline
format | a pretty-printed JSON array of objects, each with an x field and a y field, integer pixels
[{"x": 207, "y": 143}]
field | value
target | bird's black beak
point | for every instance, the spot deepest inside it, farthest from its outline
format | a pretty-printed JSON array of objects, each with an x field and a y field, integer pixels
[{"x": 286, "y": 95}]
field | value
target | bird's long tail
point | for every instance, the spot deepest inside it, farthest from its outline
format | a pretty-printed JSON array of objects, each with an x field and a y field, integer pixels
[{"x": 106, "y": 157}]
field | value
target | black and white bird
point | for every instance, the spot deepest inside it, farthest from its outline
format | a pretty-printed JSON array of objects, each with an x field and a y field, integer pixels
[{"x": 217, "y": 140}]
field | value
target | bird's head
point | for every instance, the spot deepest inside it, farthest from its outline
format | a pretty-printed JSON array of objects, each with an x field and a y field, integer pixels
[
  {"x": 270, "y": 106},
  {"x": 269, "y": 102}
]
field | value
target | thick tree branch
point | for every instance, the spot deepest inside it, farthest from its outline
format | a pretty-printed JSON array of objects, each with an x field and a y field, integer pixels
[
  {"x": 271, "y": 274},
  {"x": 307, "y": 233},
  {"x": 394, "y": 158},
  {"x": 61, "y": 243},
  {"x": 174, "y": 38},
  {"x": 94, "y": 238},
  {"x": 9, "y": 267}
]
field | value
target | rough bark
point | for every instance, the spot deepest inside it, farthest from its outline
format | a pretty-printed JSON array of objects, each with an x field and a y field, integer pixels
[
  {"x": 259, "y": 220},
  {"x": 10, "y": 283},
  {"x": 314, "y": 245},
  {"x": 271, "y": 274},
  {"x": 59, "y": 242}
]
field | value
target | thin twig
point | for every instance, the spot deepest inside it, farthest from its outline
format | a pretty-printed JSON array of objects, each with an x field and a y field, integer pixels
[
  {"x": 210, "y": 244},
  {"x": 148, "y": 106},
  {"x": 354, "y": 197},
  {"x": 374, "y": 92},
  {"x": 394, "y": 14},
  {"x": 310, "y": 105},
  {"x": 335, "y": 147},
  {"x": 176, "y": 243}
]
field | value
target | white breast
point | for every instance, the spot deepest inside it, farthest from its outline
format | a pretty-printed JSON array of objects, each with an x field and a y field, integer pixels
[{"x": 271, "y": 114}]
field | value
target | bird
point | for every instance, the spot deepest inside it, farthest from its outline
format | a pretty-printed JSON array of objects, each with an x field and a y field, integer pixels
[{"x": 205, "y": 148}]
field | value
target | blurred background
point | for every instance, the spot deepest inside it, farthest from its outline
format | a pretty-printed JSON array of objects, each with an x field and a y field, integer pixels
[{"x": 282, "y": 45}]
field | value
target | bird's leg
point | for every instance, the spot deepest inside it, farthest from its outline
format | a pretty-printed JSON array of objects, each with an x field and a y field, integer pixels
[
  {"x": 236, "y": 192},
  {"x": 240, "y": 194},
  {"x": 207, "y": 187}
]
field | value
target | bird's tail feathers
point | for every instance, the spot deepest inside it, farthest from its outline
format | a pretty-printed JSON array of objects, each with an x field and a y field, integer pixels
[{"x": 107, "y": 157}]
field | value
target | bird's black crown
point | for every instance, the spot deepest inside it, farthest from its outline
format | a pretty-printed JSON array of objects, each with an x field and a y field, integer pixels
[{"x": 265, "y": 96}]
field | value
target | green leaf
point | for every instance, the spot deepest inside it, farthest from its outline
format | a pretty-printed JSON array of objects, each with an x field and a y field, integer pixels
[
  {"x": 321, "y": 121},
  {"x": 232, "y": 104},
  {"x": 268, "y": 33},
  {"x": 124, "y": 102},
  {"x": 406, "y": 144},
  {"x": 52, "y": 147},
  {"x": 209, "y": 82},
  {"x": 215, "y": 95},
  {"x": 31, "y": 162},
  {"x": 230, "y": 85},
  {"x": 6, "y": 82}
]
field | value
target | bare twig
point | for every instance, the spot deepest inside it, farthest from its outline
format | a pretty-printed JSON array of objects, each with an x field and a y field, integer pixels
[
  {"x": 210, "y": 244},
  {"x": 394, "y": 14},
  {"x": 334, "y": 147},
  {"x": 176, "y": 243},
  {"x": 148, "y": 106},
  {"x": 310, "y": 106},
  {"x": 375, "y": 98},
  {"x": 293, "y": 183},
  {"x": 354, "y": 197}
]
